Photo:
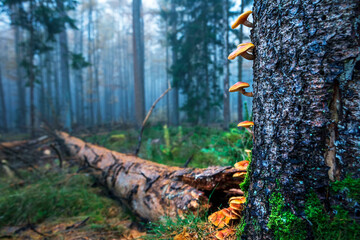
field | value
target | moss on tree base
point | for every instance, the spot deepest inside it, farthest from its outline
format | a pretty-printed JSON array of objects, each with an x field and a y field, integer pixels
[{"x": 316, "y": 223}]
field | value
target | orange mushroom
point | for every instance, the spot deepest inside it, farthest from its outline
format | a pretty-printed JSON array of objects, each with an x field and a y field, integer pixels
[
  {"x": 242, "y": 165},
  {"x": 237, "y": 203},
  {"x": 228, "y": 212},
  {"x": 245, "y": 50},
  {"x": 236, "y": 212},
  {"x": 242, "y": 19},
  {"x": 239, "y": 175},
  {"x": 239, "y": 87},
  {"x": 225, "y": 233},
  {"x": 247, "y": 125},
  {"x": 219, "y": 219},
  {"x": 240, "y": 198}
]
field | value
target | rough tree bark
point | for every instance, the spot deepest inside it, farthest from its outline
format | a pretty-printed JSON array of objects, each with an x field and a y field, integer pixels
[
  {"x": 306, "y": 106},
  {"x": 150, "y": 189}
]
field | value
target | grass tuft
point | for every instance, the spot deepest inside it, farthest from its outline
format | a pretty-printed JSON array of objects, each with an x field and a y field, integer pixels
[{"x": 53, "y": 196}]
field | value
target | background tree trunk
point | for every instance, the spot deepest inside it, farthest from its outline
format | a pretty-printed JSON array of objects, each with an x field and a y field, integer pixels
[
  {"x": 306, "y": 104},
  {"x": 20, "y": 83},
  {"x": 31, "y": 70},
  {"x": 240, "y": 68},
  {"x": 65, "y": 77},
  {"x": 175, "y": 92},
  {"x": 2, "y": 104},
  {"x": 138, "y": 49},
  {"x": 90, "y": 53},
  {"x": 226, "y": 99}
]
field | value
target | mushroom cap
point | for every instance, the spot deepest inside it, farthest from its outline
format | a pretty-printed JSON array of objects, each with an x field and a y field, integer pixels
[
  {"x": 246, "y": 124},
  {"x": 237, "y": 203},
  {"x": 223, "y": 234},
  {"x": 247, "y": 150},
  {"x": 239, "y": 198},
  {"x": 228, "y": 212},
  {"x": 239, "y": 174},
  {"x": 235, "y": 211},
  {"x": 241, "y": 49},
  {"x": 241, "y": 19},
  {"x": 238, "y": 86},
  {"x": 242, "y": 165},
  {"x": 237, "y": 206},
  {"x": 219, "y": 219}
]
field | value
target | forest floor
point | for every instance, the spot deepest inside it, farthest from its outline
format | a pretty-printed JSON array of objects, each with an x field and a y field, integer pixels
[{"x": 43, "y": 201}]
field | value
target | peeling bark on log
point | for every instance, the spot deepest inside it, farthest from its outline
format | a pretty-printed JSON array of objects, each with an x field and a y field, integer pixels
[{"x": 150, "y": 189}]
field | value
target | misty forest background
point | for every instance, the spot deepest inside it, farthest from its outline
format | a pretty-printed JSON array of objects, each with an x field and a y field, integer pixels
[{"x": 72, "y": 65}]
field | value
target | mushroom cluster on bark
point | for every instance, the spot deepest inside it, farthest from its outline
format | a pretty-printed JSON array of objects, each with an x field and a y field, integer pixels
[{"x": 226, "y": 219}]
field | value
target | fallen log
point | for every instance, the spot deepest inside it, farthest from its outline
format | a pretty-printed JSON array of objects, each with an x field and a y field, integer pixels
[{"x": 149, "y": 189}]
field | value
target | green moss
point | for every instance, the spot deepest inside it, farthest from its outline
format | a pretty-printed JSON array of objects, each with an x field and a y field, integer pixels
[
  {"x": 284, "y": 224},
  {"x": 244, "y": 186},
  {"x": 350, "y": 186},
  {"x": 339, "y": 226}
]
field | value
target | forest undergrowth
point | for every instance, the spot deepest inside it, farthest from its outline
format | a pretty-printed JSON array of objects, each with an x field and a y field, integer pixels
[
  {"x": 49, "y": 201},
  {"x": 201, "y": 147}
]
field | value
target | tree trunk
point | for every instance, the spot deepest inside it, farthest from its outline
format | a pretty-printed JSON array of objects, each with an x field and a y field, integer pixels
[
  {"x": 240, "y": 68},
  {"x": 21, "y": 91},
  {"x": 81, "y": 117},
  {"x": 96, "y": 45},
  {"x": 138, "y": 50},
  {"x": 150, "y": 189},
  {"x": 49, "y": 95},
  {"x": 65, "y": 77},
  {"x": 2, "y": 104},
  {"x": 31, "y": 70},
  {"x": 90, "y": 90},
  {"x": 57, "y": 94},
  {"x": 175, "y": 113},
  {"x": 226, "y": 98},
  {"x": 306, "y": 105},
  {"x": 168, "y": 115}
]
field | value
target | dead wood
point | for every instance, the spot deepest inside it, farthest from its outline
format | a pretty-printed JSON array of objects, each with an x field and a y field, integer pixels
[
  {"x": 149, "y": 189},
  {"x": 147, "y": 118}
]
